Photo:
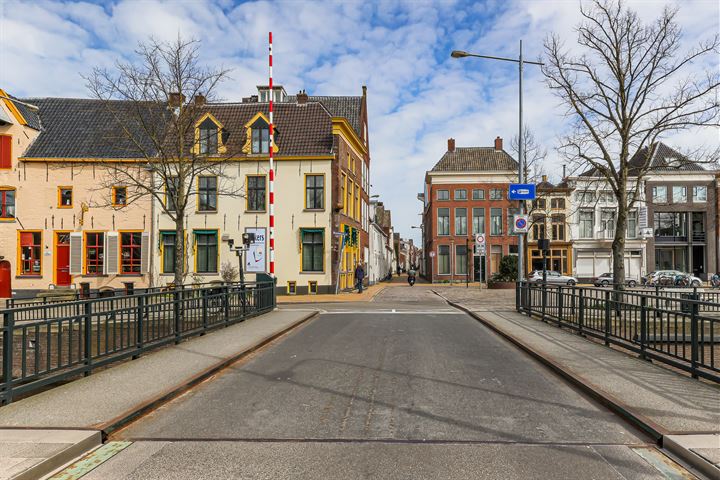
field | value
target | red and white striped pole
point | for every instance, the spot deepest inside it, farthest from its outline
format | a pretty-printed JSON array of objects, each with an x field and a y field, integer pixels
[{"x": 272, "y": 167}]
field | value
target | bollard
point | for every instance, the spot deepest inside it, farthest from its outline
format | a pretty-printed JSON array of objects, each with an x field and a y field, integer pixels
[{"x": 607, "y": 318}]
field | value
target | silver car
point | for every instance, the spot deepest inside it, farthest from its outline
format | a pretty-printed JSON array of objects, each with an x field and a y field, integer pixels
[{"x": 552, "y": 277}]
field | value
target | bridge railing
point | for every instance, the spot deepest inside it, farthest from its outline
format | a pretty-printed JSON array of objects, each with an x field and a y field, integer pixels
[
  {"x": 50, "y": 342},
  {"x": 680, "y": 329}
]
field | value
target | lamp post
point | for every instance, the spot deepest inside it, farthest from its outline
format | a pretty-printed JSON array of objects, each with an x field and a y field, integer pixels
[
  {"x": 521, "y": 146},
  {"x": 422, "y": 240}
]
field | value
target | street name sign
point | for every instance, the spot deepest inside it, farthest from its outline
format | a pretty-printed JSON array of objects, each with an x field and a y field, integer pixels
[
  {"x": 521, "y": 223},
  {"x": 521, "y": 191}
]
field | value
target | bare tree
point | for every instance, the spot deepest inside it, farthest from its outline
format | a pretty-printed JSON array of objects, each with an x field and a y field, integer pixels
[
  {"x": 534, "y": 154},
  {"x": 628, "y": 88},
  {"x": 155, "y": 104}
]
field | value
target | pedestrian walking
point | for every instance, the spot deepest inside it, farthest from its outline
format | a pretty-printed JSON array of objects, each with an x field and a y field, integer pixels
[{"x": 359, "y": 276}]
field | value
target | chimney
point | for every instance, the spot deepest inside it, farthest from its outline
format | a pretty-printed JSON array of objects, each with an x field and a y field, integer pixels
[
  {"x": 544, "y": 178},
  {"x": 563, "y": 171},
  {"x": 302, "y": 97},
  {"x": 498, "y": 144},
  {"x": 175, "y": 100},
  {"x": 199, "y": 100},
  {"x": 451, "y": 144}
]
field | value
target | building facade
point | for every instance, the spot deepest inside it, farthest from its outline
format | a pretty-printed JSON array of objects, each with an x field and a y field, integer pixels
[
  {"x": 61, "y": 229},
  {"x": 549, "y": 219},
  {"x": 466, "y": 193}
]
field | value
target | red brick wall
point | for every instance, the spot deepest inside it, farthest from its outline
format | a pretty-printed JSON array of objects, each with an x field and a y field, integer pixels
[{"x": 433, "y": 240}]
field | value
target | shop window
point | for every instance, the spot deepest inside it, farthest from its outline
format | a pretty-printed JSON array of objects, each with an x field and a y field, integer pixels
[{"x": 30, "y": 253}]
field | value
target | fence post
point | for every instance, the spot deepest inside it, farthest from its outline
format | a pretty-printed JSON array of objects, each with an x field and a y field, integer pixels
[
  {"x": 204, "y": 302},
  {"x": 572, "y": 301},
  {"x": 607, "y": 318},
  {"x": 643, "y": 326},
  {"x": 543, "y": 301},
  {"x": 581, "y": 311},
  {"x": 694, "y": 346},
  {"x": 8, "y": 327},
  {"x": 139, "y": 321},
  {"x": 88, "y": 335},
  {"x": 560, "y": 306},
  {"x": 517, "y": 296},
  {"x": 177, "y": 298},
  {"x": 226, "y": 303}
]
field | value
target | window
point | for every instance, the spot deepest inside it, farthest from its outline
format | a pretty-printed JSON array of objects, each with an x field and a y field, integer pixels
[
  {"x": 478, "y": 220},
  {"x": 670, "y": 224},
  {"x": 659, "y": 194},
  {"x": 5, "y": 151},
  {"x": 206, "y": 251},
  {"x": 607, "y": 222},
  {"x": 130, "y": 252},
  {"x": 350, "y": 197},
  {"x": 312, "y": 250},
  {"x": 168, "y": 251},
  {"x": 538, "y": 227},
  {"x": 586, "y": 198},
  {"x": 291, "y": 287},
  {"x": 478, "y": 194},
  {"x": 30, "y": 253},
  {"x": 461, "y": 260},
  {"x": 443, "y": 216},
  {"x": 208, "y": 137},
  {"x": 496, "y": 221},
  {"x": 443, "y": 194},
  {"x": 312, "y": 287},
  {"x": 539, "y": 204},
  {"x": 260, "y": 136},
  {"x": 171, "y": 189},
  {"x": 587, "y": 222},
  {"x": 94, "y": 253},
  {"x": 256, "y": 193},
  {"x": 679, "y": 194},
  {"x": 699, "y": 194},
  {"x": 343, "y": 186},
  {"x": 207, "y": 194},
  {"x": 461, "y": 221},
  {"x": 315, "y": 192},
  {"x": 65, "y": 197},
  {"x": 357, "y": 202},
  {"x": 607, "y": 196},
  {"x": 557, "y": 203},
  {"x": 444, "y": 259},
  {"x": 119, "y": 196},
  {"x": 496, "y": 194},
  {"x": 7, "y": 203},
  {"x": 460, "y": 194},
  {"x": 558, "y": 227},
  {"x": 632, "y": 224}
]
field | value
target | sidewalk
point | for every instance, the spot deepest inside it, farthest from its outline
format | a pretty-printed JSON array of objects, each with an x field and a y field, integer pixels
[
  {"x": 658, "y": 400},
  {"x": 106, "y": 400},
  {"x": 367, "y": 296}
]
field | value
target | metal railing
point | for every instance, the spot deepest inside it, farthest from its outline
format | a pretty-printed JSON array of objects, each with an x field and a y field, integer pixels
[
  {"x": 675, "y": 328},
  {"x": 46, "y": 343}
]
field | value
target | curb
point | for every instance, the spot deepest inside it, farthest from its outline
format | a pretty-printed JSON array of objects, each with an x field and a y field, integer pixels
[
  {"x": 673, "y": 443},
  {"x": 637, "y": 420},
  {"x": 56, "y": 461},
  {"x": 147, "y": 406}
]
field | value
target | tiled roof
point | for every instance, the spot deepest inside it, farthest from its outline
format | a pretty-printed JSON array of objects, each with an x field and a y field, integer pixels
[
  {"x": 30, "y": 114},
  {"x": 473, "y": 159},
  {"x": 339, "y": 106},
  {"x": 664, "y": 159},
  {"x": 85, "y": 128}
]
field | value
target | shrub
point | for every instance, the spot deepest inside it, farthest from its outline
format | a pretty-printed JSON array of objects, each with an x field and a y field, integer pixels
[{"x": 507, "y": 270}]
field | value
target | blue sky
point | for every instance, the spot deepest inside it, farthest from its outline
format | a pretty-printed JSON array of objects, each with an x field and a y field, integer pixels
[{"x": 418, "y": 96}]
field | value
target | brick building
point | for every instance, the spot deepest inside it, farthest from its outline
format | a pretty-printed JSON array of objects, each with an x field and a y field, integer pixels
[{"x": 466, "y": 193}]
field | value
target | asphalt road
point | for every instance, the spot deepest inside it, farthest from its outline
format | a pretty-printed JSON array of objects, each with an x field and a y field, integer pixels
[{"x": 401, "y": 388}]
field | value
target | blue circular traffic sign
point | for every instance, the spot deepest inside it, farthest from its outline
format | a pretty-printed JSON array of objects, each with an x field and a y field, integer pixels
[{"x": 520, "y": 223}]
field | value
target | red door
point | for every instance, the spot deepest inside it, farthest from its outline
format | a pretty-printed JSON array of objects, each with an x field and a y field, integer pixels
[
  {"x": 62, "y": 260},
  {"x": 5, "y": 279}
]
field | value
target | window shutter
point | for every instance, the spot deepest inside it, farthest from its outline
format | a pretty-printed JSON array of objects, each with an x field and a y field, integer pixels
[
  {"x": 5, "y": 151},
  {"x": 145, "y": 253},
  {"x": 76, "y": 253},
  {"x": 112, "y": 256}
]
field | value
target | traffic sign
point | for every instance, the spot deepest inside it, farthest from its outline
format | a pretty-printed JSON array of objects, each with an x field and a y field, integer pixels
[
  {"x": 480, "y": 238},
  {"x": 479, "y": 250},
  {"x": 521, "y": 223},
  {"x": 521, "y": 191},
  {"x": 432, "y": 254}
]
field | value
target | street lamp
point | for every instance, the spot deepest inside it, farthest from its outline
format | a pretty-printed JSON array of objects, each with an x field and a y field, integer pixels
[
  {"x": 422, "y": 240},
  {"x": 521, "y": 153}
]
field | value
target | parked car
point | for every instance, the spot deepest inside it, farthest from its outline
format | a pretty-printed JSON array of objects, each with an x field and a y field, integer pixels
[
  {"x": 607, "y": 279},
  {"x": 667, "y": 278},
  {"x": 552, "y": 277}
]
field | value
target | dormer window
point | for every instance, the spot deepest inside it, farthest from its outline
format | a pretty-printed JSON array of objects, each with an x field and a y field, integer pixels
[
  {"x": 208, "y": 137},
  {"x": 260, "y": 136}
]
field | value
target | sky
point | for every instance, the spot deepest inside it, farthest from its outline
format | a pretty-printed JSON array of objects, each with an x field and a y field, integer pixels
[{"x": 418, "y": 96}]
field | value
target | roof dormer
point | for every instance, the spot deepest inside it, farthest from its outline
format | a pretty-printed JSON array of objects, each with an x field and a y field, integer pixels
[
  {"x": 258, "y": 135},
  {"x": 209, "y": 136},
  {"x": 279, "y": 94}
]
